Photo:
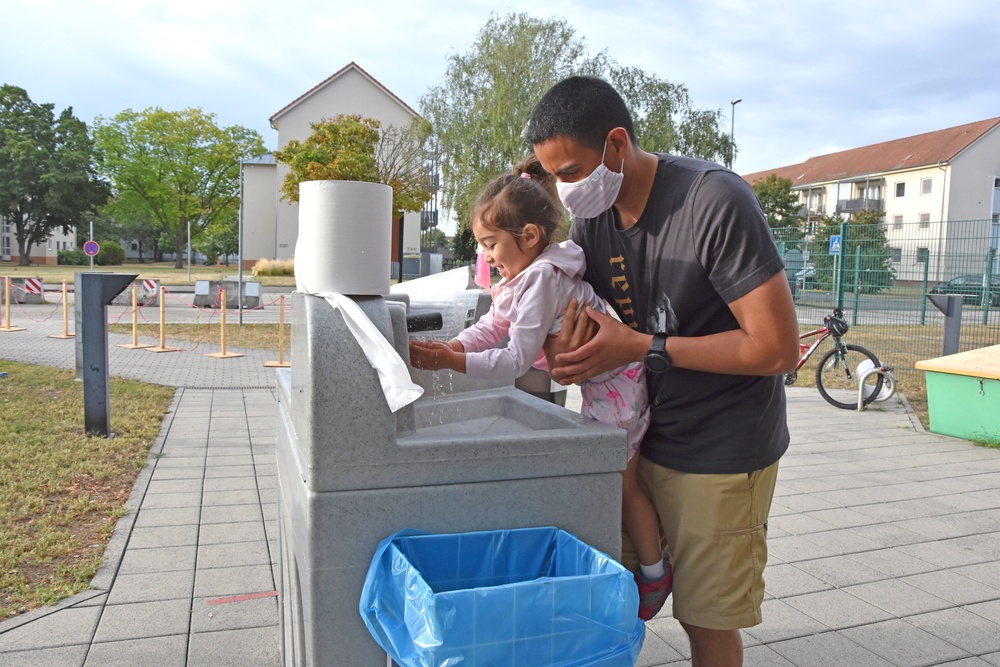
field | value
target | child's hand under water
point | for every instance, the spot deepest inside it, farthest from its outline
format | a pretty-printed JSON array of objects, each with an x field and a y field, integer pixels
[{"x": 434, "y": 355}]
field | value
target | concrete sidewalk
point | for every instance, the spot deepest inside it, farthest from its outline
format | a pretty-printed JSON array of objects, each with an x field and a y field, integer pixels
[{"x": 884, "y": 539}]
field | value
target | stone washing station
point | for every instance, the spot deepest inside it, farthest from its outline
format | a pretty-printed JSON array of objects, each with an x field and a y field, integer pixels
[{"x": 365, "y": 449}]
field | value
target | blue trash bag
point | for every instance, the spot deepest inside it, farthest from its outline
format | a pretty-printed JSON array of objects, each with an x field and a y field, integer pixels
[{"x": 504, "y": 598}]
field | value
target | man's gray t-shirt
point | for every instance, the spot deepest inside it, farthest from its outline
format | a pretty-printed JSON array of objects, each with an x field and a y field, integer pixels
[{"x": 701, "y": 242}]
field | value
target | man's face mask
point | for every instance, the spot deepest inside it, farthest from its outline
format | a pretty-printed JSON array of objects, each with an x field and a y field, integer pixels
[{"x": 595, "y": 194}]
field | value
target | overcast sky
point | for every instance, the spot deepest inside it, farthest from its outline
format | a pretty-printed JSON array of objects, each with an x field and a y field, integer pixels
[{"x": 814, "y": 77}]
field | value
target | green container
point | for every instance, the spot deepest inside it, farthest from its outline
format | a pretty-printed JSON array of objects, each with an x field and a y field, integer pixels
[{"x": 963, "y": 394}]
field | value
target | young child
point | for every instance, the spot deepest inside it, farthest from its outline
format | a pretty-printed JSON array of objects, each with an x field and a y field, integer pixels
[{"x": 515, "y": 220}]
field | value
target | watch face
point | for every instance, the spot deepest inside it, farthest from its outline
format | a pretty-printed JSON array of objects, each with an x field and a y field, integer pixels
[
  {"x": 657, "y": 359},
  {"x": 656, "y": 363}
]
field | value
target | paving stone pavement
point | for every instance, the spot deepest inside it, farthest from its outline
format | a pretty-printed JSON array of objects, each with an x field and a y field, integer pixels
[{"x": 884, "y": 540}]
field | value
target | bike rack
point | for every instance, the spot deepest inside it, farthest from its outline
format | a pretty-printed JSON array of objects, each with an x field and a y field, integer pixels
[{"x": 889, "y": 381}]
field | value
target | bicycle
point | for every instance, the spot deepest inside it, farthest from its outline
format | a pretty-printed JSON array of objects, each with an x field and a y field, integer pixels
[{"x": 841, "y": 369}]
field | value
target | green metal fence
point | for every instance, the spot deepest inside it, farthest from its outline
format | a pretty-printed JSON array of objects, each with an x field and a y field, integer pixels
[{"x": 880, "y": 276}]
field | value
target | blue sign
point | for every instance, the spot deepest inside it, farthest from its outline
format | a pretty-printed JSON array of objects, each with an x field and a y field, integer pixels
[
  {"x": 91, "y": 248},
  {"x": 835, "y": 244}
]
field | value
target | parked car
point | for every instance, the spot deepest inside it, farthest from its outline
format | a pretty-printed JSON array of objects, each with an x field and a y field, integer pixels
[
  {"x": 971, "y": 288},
  {"x": 806, "y": 278}
]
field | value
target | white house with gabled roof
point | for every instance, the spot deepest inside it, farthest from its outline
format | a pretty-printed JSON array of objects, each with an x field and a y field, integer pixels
[
  {"x": 270, "y": 224},
  {"x": 945, "y": 183}
]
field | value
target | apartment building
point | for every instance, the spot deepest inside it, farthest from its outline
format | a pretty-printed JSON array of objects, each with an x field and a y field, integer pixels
[{"x": 939, "y": 192}]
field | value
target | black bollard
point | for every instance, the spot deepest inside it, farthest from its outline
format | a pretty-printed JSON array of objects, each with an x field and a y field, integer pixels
[
  {"x": 94, "y": 291},
  {"x": 951, "y": 306}
]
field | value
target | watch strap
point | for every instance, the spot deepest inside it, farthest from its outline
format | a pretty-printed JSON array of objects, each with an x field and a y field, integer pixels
[
  {"x": 657, "y": 360},
  {"x": 659, "y": 343}
]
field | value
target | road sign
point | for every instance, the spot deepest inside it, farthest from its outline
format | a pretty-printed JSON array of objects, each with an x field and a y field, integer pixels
[
  {"x": 91, "y": 248},
  {"x": 835, "y": 244}
]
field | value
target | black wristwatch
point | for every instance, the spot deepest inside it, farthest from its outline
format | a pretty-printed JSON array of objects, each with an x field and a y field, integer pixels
[{"x": 657, "y": 359}]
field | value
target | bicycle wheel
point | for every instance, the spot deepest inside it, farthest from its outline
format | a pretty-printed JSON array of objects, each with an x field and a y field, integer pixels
[{"x": 837, "y": 376}]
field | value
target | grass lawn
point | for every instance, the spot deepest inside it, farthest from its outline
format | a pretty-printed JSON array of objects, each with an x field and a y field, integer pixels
[
  {"x": 61, "y": 491},
  {"x": 163, "y": 271},
  {"x": 257, "y": 336}
]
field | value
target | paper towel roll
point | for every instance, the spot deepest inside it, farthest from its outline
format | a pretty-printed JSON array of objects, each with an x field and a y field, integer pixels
[{"x": 345, "y": 238}]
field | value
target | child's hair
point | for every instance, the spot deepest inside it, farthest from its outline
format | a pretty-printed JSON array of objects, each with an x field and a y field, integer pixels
[{"x": 526, "y": 195}]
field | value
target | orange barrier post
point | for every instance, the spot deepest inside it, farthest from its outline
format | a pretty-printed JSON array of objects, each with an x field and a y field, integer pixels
[
  {"x": 6, "y": 317},
  {"x": 280, "y": 363},
  {"x": 163, "y": 332},
  {"x": 223, "y": 354},
  {"x": 135, "y": 345},
  {"x": 65, "y": 333}
]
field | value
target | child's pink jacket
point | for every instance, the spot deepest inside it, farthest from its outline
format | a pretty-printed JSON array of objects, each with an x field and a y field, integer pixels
[{"x": 528, "y": 309}]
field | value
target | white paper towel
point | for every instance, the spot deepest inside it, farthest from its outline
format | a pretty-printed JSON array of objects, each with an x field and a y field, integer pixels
[
  {"x": 393, "y": 374},
  {"x": 345, "y": 238}
]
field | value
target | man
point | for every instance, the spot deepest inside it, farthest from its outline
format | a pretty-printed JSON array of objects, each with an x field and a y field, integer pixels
[{"x": 681, "y": 249}]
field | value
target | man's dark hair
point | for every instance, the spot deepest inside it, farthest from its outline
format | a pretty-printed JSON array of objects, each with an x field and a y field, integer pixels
[{"x": 581, "y": 108}]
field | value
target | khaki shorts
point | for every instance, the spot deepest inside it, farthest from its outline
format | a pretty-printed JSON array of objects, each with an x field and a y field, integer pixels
[{"x": 715, "y": 530}]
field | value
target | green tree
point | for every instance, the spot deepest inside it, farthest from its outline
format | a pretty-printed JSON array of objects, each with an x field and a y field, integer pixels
[
  {"x": 127, "y": 217},
  {"x": 480, "y": 109},
  {"x": 350, "y": 147},
  {"x": 868, "y": 248},
  {"x": 866, "y": 255},
  {"x": 463, "y": 244},
  {"x": 433, "y": 238},
  {"x": 825, "y": 226},
  {"x": 339, "y": 149},
  {"x": 221, "y": 239},
  {"x": 666, "y": 119},
  {"x": 179, "y": 166},
  {"x": 143, "y": 230},
  {"x": 781, "y": 206},
  {"x": 405, "y": 159},
  {"x": 48, "y": 177}
]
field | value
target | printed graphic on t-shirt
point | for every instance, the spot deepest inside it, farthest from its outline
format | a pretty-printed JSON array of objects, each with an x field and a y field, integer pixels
[
  {"x": 662, "y": 317},
  {"x": 622, "y": 292}
]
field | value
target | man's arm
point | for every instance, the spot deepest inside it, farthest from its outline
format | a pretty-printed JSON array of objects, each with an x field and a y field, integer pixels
[{"x": 765, "y": 344}]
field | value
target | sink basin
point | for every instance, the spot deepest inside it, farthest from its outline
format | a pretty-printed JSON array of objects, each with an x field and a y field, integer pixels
[{"x": 493, "y": 414}]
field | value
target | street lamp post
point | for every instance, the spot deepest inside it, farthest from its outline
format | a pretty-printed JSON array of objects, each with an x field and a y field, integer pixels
[
  {"x": 732, "y": 128},
  {"x": 240, "y": 231}
]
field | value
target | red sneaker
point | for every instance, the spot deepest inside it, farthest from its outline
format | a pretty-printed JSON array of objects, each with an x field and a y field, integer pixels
[{"x": 652, "y": 594}]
